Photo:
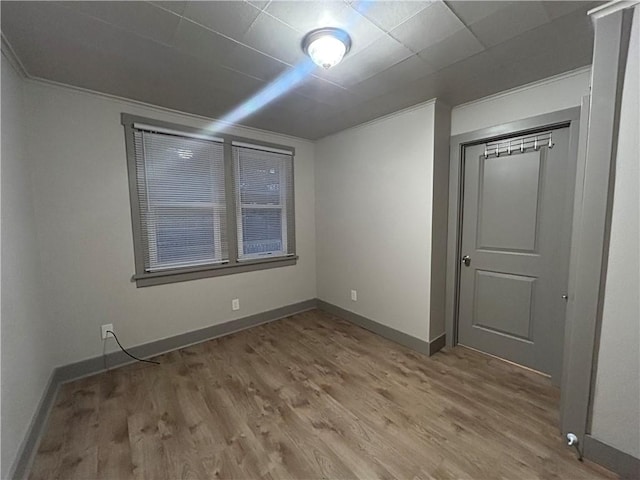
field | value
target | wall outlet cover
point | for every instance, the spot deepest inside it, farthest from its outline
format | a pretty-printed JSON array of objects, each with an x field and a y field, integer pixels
[
  {"x": 354, "y": 295},
  {"x": 235, "y": 304},
  {"x": 104, "y": 328}
]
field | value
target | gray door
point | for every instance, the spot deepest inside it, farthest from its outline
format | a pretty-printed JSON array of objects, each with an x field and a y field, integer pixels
[{"x": 516, "y": 233}]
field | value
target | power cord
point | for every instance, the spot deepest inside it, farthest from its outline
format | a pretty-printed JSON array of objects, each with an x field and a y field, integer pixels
[{"x": 125, "y": 351}]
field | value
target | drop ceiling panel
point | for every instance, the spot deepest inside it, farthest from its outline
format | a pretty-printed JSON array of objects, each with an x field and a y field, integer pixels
[
  {"x": 377, "y": 57},
  {"x": 396, "y": 77},
  {"x": 230, "y": 18},
  {"x": 261, "y": 4},
  {"x": 509, "y": 22},
  {"x": 196, "y": 41},
  {"x": 171, "y": 5},
  {"x": 326, "y": 14},
  {"x": 254, "y": 63},
  {"x": 388, "y": 15},
  {"x": 209, "y": 57},
  {"x": 275, "y": 38},
  {"x": 462, "y": 44},
  {"x": 140, "y": 18},
  {"x": 428, "y": 27},
  {"x": 555, "y": 9},
  {"x": 472, "y": 11},
  {"x": 326, "y": 92}
]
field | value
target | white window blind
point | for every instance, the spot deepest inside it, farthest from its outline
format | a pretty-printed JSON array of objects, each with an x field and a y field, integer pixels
[
  {"x": 264, "y": 202},
  {"x": 181, "y": 193}
]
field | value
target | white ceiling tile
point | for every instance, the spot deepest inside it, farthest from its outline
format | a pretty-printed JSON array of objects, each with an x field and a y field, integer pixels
[
  {"x": 429, "y": 26},
  {"x": 389, "y": 14},
  {"x": 256, "y": 64},
  {"x": 393, "y": 78},
  {"x": 197, "y": 41},
  {"x": 326, "y": 14},
  {"x": 298, "y": 105},
  {"x": 458, "y": 46},
  {"x": 558, "y": 8},
  {"x": 141, "y": 18},
  {"x": 172, "y": 6},
  {"x": 509, "y": 22},
  {"x": 271, "y": 36},
  {"x": 470, "y": 11},
  {"x": 296, "y": 14},
  {"x": 230, "y": 18},
  {"x": 261, "y": 4},
  {"x": 380, "y": 55},
  {"x": 325, "y": 92}
]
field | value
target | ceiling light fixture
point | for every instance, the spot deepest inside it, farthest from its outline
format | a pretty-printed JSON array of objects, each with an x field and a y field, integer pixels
[{"x": 326, "y": 46}]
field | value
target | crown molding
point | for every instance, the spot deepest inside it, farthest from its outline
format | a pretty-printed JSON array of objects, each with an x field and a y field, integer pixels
[
  {"x": 528, "y": 86},
  {"x": 611, "y": 7},
  {"x": 10, "y": 54}
]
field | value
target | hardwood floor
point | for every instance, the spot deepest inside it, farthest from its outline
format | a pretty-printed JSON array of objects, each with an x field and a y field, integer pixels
[{"x": 309, "y": 397}]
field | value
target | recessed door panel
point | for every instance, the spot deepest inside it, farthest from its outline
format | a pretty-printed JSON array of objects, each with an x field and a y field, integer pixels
[
  {"x": 516, "y": 233},
  {"x": 511, "y": 315},
  {"x": 508, "y": 202}
]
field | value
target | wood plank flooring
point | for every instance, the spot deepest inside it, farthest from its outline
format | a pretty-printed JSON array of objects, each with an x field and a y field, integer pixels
[{"x": 309, "y": 397}]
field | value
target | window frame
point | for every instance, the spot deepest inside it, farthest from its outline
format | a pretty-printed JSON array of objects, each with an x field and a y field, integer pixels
[{"x": 143, "y": 278}]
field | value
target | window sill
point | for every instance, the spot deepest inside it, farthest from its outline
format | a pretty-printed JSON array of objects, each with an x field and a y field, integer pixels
[{"x": 194, "y": 273}]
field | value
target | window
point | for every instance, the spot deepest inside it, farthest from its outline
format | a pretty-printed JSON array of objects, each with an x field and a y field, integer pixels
[{"x": 204, "y": 205}]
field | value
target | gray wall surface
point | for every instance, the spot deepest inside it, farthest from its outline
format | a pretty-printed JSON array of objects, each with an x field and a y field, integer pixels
[
  {"x": 80, "y": 188},
  {"x": 616, "y": 407},
  {"x": 27, "y": 350},
  {"x": 374, "y": 197}
]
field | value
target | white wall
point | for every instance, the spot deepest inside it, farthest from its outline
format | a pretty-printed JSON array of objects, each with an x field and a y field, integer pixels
[
  {"x": 373, "y": 219},
  {"x": 545, "y": 96},
  {"x": 76, "y": 145},
  {"x": 26, "y": 347},
  {"x": 616, "y": 407}
]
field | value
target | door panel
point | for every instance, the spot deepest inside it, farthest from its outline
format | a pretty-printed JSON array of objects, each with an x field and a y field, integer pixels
[
  {"x": 512, "y": 315},
  {"x": 508, "y": 204},
  {"x": 515, "y": 215}
]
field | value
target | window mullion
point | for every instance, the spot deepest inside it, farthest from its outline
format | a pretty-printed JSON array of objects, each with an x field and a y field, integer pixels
[{"x": 232, "y": 205}]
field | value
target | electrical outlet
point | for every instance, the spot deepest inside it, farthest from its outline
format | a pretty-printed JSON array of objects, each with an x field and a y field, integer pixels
[
  {"x": 235, "y": 304},
  {"x": 354, "y": 295},
  {"x": 105, "y": 328}
]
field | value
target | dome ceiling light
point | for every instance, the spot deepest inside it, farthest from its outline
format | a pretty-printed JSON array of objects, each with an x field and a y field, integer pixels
[{"x": 326, "y": 46}]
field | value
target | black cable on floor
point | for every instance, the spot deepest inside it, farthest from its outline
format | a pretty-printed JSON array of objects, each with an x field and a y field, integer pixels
[{"x": 132, "y": 356}]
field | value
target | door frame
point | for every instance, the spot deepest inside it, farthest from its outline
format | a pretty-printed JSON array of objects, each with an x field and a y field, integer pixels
[
  {"x": 597, "y": 120},
  {"x": 564, "y": 118},
  {"x": 576, "y": 119}
]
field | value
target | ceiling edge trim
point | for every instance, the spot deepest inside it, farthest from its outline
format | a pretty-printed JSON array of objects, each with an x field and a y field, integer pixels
[
  {"x": 528, "y": 86},
  {"x": 10, "y": 54},
  {"x": 158, "y": 108},
  {"x": 382, "y": 118},
  {"x": 611, "y": 7}
]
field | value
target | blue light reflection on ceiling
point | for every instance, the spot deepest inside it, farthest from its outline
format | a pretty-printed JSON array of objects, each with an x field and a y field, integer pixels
[{"x": 284, "y": 83}]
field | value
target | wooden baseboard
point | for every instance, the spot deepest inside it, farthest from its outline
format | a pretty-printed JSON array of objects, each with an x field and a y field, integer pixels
[
  {"x": 625, "y": 465},
  {"x": 389, "y": 333},
  {"x": 27, "y": 449}
]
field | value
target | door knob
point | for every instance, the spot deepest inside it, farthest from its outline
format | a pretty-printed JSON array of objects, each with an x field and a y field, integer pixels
[
  {"x": 566, "y": 297},
  {"x": 466, "y": 260}
]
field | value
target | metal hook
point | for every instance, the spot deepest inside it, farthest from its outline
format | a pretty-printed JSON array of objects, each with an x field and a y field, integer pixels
[
  {"x": 550, "y": 142},
  {"x": 522, "y": 145},
  {"x": 535, "y": 143}
]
